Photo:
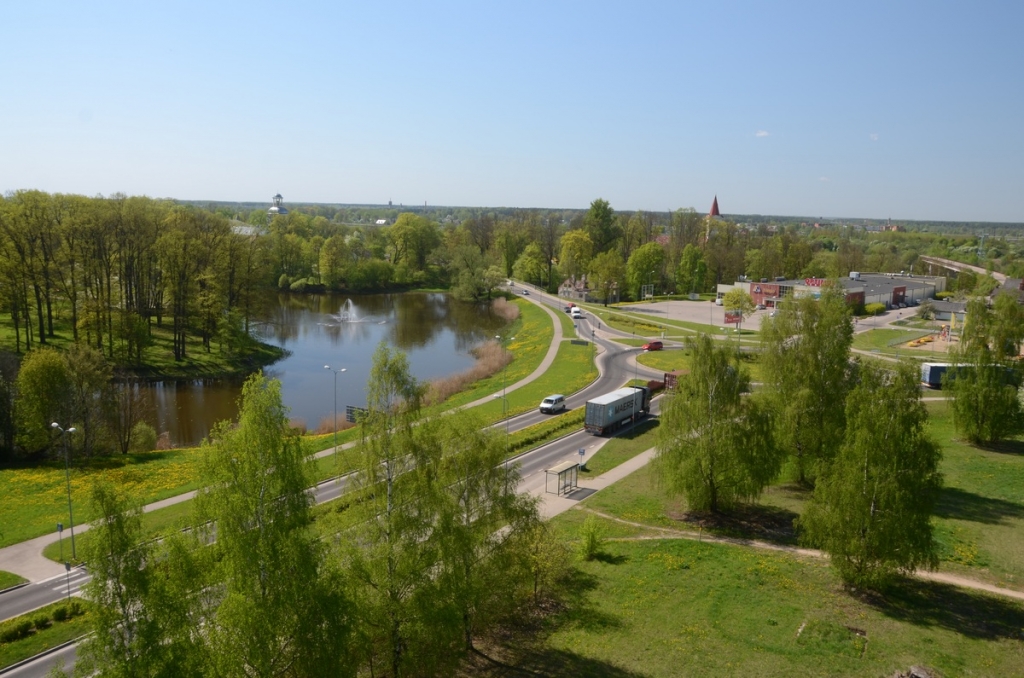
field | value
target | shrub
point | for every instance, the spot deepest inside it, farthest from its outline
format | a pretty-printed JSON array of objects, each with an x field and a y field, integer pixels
[
  {"x": 299, "y": 285},
  {"x": 284, "y": 282},
  {"x": 41, "y": 622},
  {"x": 143, "y": 438},
  {"x": 942, "y": 296},
  {"x": 874, "y": 309},
  {"x": 60, "y": 613},
  {"x": 76, "y": 609},
  {"x": 590, "y": 539}
]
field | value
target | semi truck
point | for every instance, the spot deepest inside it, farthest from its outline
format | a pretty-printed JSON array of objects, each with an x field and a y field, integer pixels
[{"x": 606, "y": 413}]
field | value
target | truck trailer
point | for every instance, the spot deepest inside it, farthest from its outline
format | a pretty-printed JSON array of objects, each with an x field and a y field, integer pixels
[
  {"x": 606, "y": 413},
  {"x": 931, "y": 374}
]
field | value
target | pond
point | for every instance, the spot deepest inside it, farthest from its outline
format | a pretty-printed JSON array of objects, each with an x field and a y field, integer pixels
[{"x": 435, "y": 331}]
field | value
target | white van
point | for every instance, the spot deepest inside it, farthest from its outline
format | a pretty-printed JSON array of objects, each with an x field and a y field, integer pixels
[
  {"x": 576, "y": 313},
  {"x": 552, "y": 404}
]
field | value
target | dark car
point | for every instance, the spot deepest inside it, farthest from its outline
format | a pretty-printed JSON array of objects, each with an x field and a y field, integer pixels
[{"x": 653, "y": 346}]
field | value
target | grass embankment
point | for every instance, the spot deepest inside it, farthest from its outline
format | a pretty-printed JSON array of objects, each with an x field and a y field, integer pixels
[
  {"x": 9, "y": 579},
  {"x": 158, "y": 358},
  {"x": 45, "y": 630}
]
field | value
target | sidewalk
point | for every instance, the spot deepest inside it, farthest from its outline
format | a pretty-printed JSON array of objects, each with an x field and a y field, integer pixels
[{"x": 551, "y": 504}]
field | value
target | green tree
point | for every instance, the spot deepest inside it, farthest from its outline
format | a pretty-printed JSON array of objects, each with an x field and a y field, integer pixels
[
  {"x": 806, "y": 359},
  {"x": 738, "y": 301},
  {"x": 135, "y": 610},
  {"x": 577, "y": 249},
  {"x": 390, "y": 555},
  {"x": 278, "y": 609},
  {"x": 985, "y": 393},
  {"x": 692, "y": 270},
  {"x": 871, "y": 508},
  {"x": 645, "y": 266},
  {"x": 531, "y": 266},
  {"x": 600, "y": 224},
  {"x": 44, "y": 387},
  {"x": 607, "y": 274},
  {"x": 714, "y": 445},
  {"x": 482, "y": 532}
]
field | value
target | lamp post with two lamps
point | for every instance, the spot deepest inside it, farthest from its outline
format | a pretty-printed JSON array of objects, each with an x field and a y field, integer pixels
[
  {"x": 67, "y": 477},
  {"x": 336, "y": 372}
]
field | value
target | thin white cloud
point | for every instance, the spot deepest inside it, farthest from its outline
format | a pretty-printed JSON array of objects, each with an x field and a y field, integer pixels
[
  {"x": 761, "y": 133},
  {"x": 873, "y": 136},
  {"x": 824, "y": 179}
]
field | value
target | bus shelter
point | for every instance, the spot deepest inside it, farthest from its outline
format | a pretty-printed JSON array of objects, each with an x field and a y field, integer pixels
[{"x": 566, "y": 477}]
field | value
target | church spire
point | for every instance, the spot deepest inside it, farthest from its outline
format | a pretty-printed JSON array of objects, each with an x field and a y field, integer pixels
[{"x": 714, "y": 209}]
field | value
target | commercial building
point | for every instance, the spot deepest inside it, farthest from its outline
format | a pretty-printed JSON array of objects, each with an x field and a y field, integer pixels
[{"x": 891, "y": 289}]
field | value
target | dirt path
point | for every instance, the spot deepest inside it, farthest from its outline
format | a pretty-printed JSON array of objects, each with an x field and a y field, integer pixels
[{"x": 667, "y": 533}]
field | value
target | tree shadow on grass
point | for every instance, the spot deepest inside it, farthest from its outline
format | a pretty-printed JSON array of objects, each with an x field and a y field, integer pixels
[
  {"x": 962, "y": 505},
  {"x": 1015, "y": 447},
  {"x": 609, "y": 559},
  {"x": 753, "y": 521},
  {"x": 520, "y": 646},
  {"x": 925, "y": 603}
]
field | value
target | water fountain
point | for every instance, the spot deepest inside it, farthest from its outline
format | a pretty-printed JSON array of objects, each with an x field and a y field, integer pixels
[{"x": 347, "y": 314}]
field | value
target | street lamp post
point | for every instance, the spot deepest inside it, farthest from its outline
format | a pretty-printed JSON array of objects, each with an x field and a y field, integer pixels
[
  {"x": 504, "y": 400},
  {"x": 67, "y": 477},
  {"x": 328, "y": 367}
]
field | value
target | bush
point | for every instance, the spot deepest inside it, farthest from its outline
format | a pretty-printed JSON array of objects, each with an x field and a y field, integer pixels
[
  {"x": 299, "y": 285},
  {"x": 60, "y": 613},
  {"x": 590, "y": 539},
  {"x": 942, "y": 296},
  {"x": 284, "y": 282},
  {"x": 143, "y": 437},
  {"x": 76, "y": 609},
  {"x": 16, "y": 631},
  {"x": 874, "y": 309},
  {"x": 41, "y": 622}
]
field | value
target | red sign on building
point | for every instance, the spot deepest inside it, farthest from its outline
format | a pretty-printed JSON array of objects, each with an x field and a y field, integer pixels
[
  {"x": 733, "y": 317},
  {"x": 761, "y": 291},
  {"x": 814, "y": 282}
]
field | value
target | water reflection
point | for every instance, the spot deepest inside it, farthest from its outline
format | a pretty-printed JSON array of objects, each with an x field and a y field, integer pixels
[{"x": 435, "y": 331}]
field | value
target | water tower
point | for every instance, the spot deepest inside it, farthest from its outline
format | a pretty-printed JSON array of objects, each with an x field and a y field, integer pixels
[{"x": 277, "y": 209}]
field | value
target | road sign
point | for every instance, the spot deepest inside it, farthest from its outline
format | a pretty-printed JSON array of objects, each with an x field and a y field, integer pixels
[{"x": 60, "y": 527}]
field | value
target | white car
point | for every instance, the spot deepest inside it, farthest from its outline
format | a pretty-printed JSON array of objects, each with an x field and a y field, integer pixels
[{"x": 576, "y": 313}]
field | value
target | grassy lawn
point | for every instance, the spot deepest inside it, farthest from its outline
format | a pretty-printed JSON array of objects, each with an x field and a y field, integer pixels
[
  {"x": 669, "y": 361},
  {"x": 43, "y": 639},
  {"x": 885, "y": 339},
  {"x": 9, "y": 579},
  {"x": 622, "y": 447},
  {"x": 35, "y": 498},
  {"x": 666, "y": 607}
]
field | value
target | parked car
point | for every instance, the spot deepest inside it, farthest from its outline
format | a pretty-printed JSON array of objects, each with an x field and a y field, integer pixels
[
  {"x": 653, "y": 346},
  {"x": 552, "y": 404},
  {"x": 760, "y": 307}
]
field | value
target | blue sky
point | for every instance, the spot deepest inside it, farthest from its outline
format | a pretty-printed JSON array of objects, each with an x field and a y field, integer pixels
[{"x": 909, "y": 110}]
